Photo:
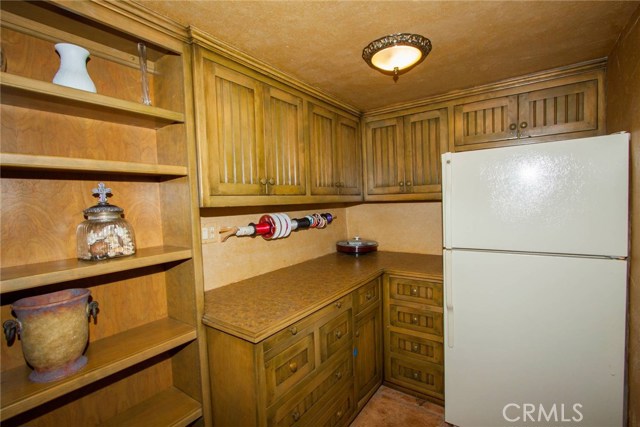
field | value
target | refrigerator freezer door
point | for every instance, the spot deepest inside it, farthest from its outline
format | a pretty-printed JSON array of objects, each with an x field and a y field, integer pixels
[
  {"x": 536, "y": 340},
  {"x": 567, "y": 197}
]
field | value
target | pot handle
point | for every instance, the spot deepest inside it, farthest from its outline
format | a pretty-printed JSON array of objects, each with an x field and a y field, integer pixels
[
  {"x": 92, "y": 311},
  {"x": 12, "y": 328}
]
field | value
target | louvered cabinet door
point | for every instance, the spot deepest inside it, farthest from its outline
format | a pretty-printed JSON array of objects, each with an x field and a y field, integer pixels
[
  {"x": 486, "y": 121},
  {"x": 233, "y": 142},
  {"x": 322, "y": 155},
  {"x": 348, "y": 157},
  {"x": 425, "y": 141},
  {"x": 559, "y": 110},
  {"x": 385, "y": 156},
  {"x": 284, "y": 143}
]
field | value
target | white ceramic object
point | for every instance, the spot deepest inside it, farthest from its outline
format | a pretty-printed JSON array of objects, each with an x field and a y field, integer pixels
[{"x": 73, "y": 68}]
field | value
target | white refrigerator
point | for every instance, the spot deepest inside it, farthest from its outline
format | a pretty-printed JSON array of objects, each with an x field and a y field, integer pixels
[{"x": 535, "y": 276}]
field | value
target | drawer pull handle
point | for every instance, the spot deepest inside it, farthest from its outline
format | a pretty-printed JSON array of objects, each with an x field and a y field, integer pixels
[
  {"x": 293, "y": 366},
  {"x": 414, "y": 319},
  {"x": 295, "y": 415},
  {"x": 338, "y": 375},
  {"x": 369, "y": 295},
  {"x": 414, "y": 291},
  {"x": 415, "y": 347},
  {"x": 416, "y": 375},
  {"x": 339, "y": 304},
  {"x": 338, "y": 334},
  {"x": 293, "y": 330}
]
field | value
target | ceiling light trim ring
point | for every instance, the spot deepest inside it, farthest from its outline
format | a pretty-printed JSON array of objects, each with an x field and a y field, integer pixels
[{"x": 417, "y": 41}]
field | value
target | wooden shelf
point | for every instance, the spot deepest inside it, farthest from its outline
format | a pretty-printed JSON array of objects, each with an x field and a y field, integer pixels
[
  {"x": 170, "y": 408},
  {"x": 45, "y": 273},
  {"x": 68, "y": 164},
  {"x": 34, "y": 94},
  {"x": 105, "y": 357}
]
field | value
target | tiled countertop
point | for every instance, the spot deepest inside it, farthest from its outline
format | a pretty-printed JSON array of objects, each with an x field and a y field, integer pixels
[{"x": 255, "y": 308}]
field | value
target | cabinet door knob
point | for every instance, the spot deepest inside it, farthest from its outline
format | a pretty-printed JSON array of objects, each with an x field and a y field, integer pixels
[
  {"x": 368, "y": 295},
  {"x": 263, "y": 181},
  {"x": 414, "y": 319},
  {"x": 357, "y": 333},
  {"x": 414, "y": 291},
  {"x": 339, "y": 414},
  {"x": 338, "y": 375},
  {"x": 295, "y": 415},
  {"x": 416, "y": 375},
  {"x": 338, "y": 334},
  {"x": 339, "y": 304},
  {"x": 293, "y": 366},
  {"x": 272, "y": 181},
  {"x": 523, "y": 125},
  {"x": 415, "y": 347},
  {"x": 408, "y": 183},
  {"x": 293, "y": 330},
  {"x": 401, "y": 184},
  {"x": 513, "y": 126}
]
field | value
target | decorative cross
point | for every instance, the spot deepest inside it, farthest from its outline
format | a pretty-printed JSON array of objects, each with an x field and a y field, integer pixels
[{"x": 102, "y": 192}]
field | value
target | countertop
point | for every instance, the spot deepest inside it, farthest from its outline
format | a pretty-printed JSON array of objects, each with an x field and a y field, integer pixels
[{"x": 255, "y": 308}]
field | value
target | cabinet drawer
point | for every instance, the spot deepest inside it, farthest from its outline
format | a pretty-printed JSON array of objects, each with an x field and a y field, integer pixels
[
  {"x": 288, "y": 336},
  {"x": 414, "y": 290},
  {"x": 416, "y": 319},
  {"x": 423, "y": 377},
  {"x": 412, "y": 346},
  {"x": 366, "y": 296},
  {"x": 338, "y": 413},
  {"x": 322, "y": 388},
  {"x": 289, "y": 367},
  {"x": 335, "y": 334}
]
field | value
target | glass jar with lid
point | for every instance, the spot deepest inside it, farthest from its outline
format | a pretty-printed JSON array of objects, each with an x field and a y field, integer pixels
[{"x": 105, "y": 233}]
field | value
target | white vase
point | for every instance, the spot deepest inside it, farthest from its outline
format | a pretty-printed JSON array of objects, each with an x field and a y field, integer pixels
[{"x": 73, "y": 68}]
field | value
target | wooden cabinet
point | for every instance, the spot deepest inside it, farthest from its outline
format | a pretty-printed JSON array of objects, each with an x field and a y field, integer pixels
[
  {"x": 335, "y": 153},
  {"x": 367, "y": 354},
  {"x": 403, "y": 156},
  {"x": 413, "y": 336},
  {"x": 250, "y": 134},
  {"x": 557, "y": 111},
  {"x": 145, "y": 353},
  {"x": 298, "y": 375}
]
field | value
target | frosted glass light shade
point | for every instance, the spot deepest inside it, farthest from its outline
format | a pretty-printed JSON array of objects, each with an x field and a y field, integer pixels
[
  {"x": 396, "y": 53},
  {"x": 399, "y": 57}
]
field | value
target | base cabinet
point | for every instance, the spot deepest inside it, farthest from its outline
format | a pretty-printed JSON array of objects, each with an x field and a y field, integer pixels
[
  {"x": 413, "y": 335},
  {"x": 297, "y": 376}
]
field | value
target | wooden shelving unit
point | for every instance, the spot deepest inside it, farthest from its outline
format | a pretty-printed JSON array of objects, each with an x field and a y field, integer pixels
[{"x": 146, "y": 355}]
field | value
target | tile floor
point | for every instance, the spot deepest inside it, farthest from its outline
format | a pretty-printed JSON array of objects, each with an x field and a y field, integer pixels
[{"x": 391, "y": 408}]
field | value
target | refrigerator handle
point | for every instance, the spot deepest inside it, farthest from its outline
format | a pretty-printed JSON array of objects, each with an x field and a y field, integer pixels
[
  {"x": 446, "y": 199},
  {"x": 448, "y": 296}
]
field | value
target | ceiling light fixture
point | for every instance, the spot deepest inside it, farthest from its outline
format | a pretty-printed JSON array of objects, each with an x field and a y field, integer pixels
[{"x": 396, "y": 54}]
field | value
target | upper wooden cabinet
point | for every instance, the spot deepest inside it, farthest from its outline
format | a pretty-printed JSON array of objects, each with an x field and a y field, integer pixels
[
  {"x": 557, "y": 111},
  {"x": 335, "y": 153},
  {"x": 403, "y": 156},
  {"x": 250, "y": 135}
]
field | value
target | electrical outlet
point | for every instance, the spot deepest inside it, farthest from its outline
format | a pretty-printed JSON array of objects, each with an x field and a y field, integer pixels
[{"x": 205, "y": 234}]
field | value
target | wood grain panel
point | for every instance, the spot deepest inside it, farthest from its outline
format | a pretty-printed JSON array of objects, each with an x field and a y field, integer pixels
[
  {"x": 385, "y": 156},
  {"x": 284, "y": 142},
  {"x": 322, "y": 136},
  {"x": 486, "y": 121},
  {"x": 368, "y": 361},
  {"x": 349, "y": 150},
  {"x": 427, "y": 135},
  {"x": 558, "y": 110}
]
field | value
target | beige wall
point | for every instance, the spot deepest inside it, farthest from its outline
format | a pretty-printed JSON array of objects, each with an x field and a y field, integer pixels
[
  {"x": 623, "y": 113},
  {"x": 398, "y": 227}
]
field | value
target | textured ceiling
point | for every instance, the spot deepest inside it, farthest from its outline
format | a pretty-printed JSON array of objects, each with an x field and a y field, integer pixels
[{"x": 474, "y": 42}]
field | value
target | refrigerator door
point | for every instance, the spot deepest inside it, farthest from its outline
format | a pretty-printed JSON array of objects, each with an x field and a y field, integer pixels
[
  {"x": 533, "y": 340},
  {"x": 565, "y": 197}
]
